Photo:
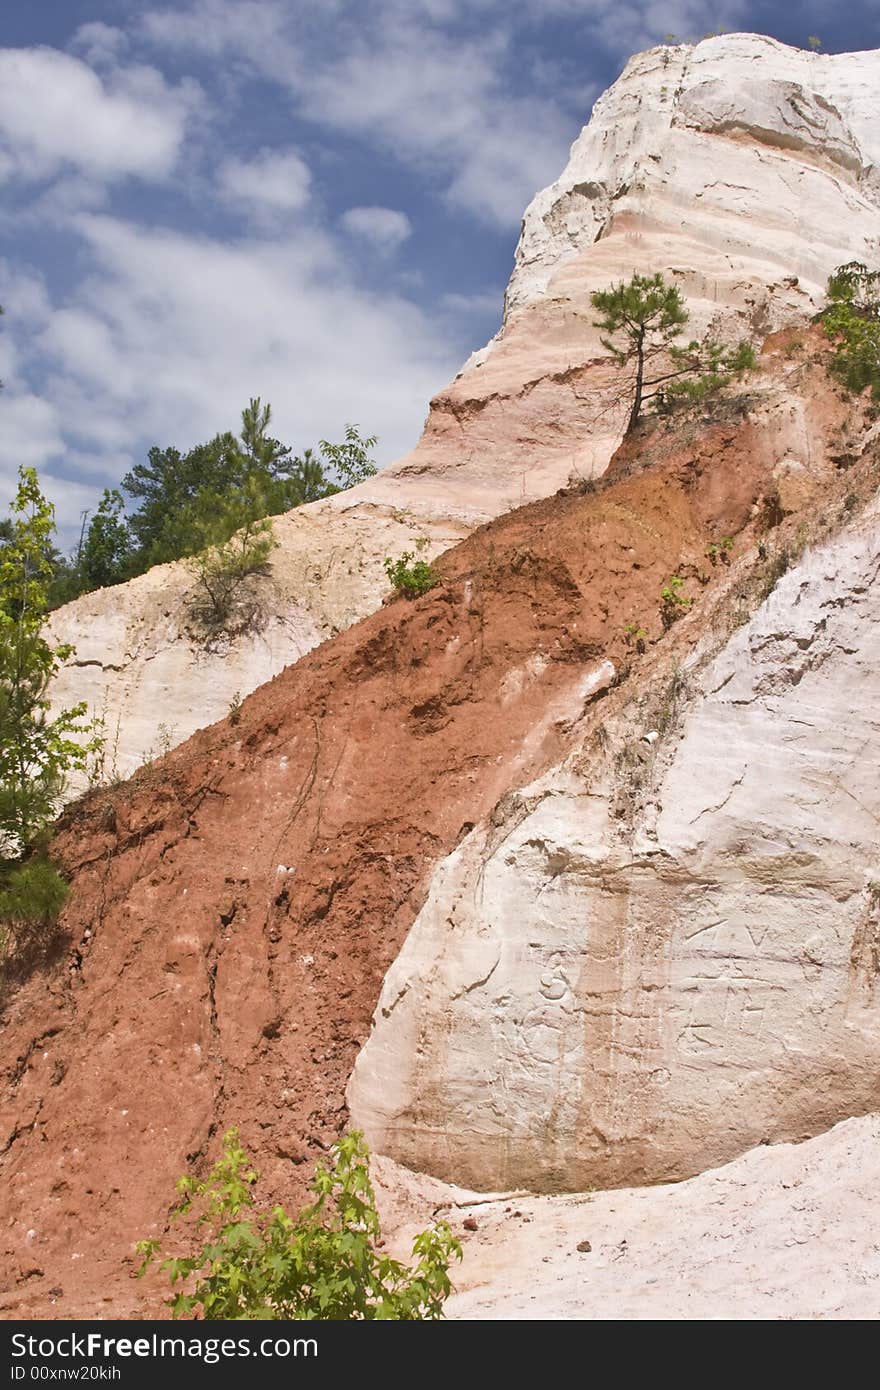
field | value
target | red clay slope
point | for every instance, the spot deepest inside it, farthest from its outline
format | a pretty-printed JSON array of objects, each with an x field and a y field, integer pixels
[{"x": 236, "y": 906}]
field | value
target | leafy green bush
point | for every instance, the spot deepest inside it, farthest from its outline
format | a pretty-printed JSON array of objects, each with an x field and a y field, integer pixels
[
  {"x": 720, "y": 550},
  {"x": 636, "y": 636},
  {"x": 852, "y": 322},
  {"x": 411, "y": 575},
  {"x": 323, "y": 1265},
  {"x": 350, "y": 461},
  {"x": 36, "y": 751},
  {"x": 673, "y": 600}
]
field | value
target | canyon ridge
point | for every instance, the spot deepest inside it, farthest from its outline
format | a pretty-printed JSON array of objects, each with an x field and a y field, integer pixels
[{"x": 543, "y": 887}]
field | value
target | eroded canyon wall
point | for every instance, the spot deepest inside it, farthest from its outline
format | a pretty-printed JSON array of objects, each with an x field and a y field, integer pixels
[
  {"x": 742, "y": 169},
  {"x": 610, "y": 985}
]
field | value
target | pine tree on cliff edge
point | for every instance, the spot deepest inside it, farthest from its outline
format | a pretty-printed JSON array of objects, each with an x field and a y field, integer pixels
[{"x": 646, "y": 316}]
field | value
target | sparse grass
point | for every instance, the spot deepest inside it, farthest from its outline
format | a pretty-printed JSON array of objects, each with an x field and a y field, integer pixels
[
  {"x": 636, "y": 636},
  {"x": 720, "y": 551},
  {"x": 163, "y": 745}
]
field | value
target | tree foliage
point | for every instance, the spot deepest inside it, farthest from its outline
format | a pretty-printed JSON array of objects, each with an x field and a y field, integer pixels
[
  {"x": 32, "y": 895},
  {"x": 852, "y": 322},
  {"x": 107, "y": 546},
  {"x": 184, "y": 505},
  {"x": 640, "y": 320},
  {"x": 350, "y": 461},
  {"x": 36, "y": 750},
  {"x": 174, "y": 494},
  {"x": 184, "y": 501},
  {"x": 242, "y": 543},
  {"x": 325, "y": 1264}
]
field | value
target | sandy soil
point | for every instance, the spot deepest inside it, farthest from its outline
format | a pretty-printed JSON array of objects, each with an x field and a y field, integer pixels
[{"x": 787, "y": 1231}]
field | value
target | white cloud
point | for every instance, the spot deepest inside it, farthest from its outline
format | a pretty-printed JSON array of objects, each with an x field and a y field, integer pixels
[
  {"x": 441, "y": 105},
  {"x": 384, "y": 228},
  {"x": 255, "y": 31},
  {"x": 276, "y": 179},
  {"x": 30, "y": 432},
  {"x": 630, "y": 25},
  {"x": 165, "y": 334},
  {"x": 413, "y": 79},
  {"x": 56, "y": 113},
  {"x": 23, "y": 296},
  {"x": 170, "y": 335},
  {"x": 100, "y": 43},
  {"x": 388, "y": 72}
]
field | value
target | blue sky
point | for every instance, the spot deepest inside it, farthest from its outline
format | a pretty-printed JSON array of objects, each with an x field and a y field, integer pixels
[{"x": 313, "y": 202}]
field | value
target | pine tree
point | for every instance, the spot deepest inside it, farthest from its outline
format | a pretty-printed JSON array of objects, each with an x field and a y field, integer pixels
[{"x": 646, "y": 316}]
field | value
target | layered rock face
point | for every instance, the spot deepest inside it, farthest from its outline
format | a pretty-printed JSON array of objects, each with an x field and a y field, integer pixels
[
  {"x": 741, "y": 146},
  {"x": 236, "y": 907},
  {"x": 742, "y": 169},
  {"x": 537, "y": 881},
  {"x": 590, "y": 997}
]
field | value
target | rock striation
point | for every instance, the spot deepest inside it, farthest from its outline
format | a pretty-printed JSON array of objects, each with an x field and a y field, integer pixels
[
  {"x": 538, "y": 881},
  {"x": 741, "y": 168},
  {"x": 589, "y": 998},
  {"x": 785, "y": 1231},
  {"x": 479, "y": 762}
]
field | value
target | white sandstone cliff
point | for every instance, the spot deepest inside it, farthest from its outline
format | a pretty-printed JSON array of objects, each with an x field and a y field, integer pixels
[
  {"x": 608, "y": 985},
  {"x": 742, "y": 169}
]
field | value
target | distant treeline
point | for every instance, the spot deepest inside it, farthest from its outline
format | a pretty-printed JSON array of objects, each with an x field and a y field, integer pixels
[{"x": 178, "y": 504}]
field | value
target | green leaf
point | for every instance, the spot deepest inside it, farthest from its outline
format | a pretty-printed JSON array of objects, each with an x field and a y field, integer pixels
[{"x": 323, "y": 1264}]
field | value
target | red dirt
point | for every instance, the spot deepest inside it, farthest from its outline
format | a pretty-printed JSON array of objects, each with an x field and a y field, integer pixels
[{"x": 236, "y": 905}]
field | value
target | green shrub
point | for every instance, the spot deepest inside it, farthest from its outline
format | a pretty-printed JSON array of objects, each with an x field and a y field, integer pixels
[
  {"x": 635, "y": 636},
  {"x": 720, "y": 550},
  {"x": 411, "y": 575},
  {"x": 852, "y": 322},
  {"x": 37, "y": 747},
  {"x": 32, "y": 895},
  {"x": 673, "y": 600},
  {"x": 323, "y": 1265}
]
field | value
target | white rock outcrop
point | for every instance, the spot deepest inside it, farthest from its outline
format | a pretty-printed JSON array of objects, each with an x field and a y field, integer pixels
[
  {"x": 738, "y": 143},
  {"x": 589, "y": 999},
  {"x": 786, "y": 1231},
  {"x": 742, "y": 169}
]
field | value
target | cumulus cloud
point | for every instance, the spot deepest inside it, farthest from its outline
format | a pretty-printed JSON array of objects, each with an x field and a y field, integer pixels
[
  {"x": 383, "y": 228},
  {"x": 630, "y": 25},
  {"x": 275, "y": 179},
  {"x": 30, "y": 436},
  {"x": 393, "y": 74},
  {"x": 171, "y": 333},
  {"x": 256, "y": 31},
  {"x": 56, "y": 114},
  {"x": 441, "y": 105},
  {"x": 438, "y": 84},
  {"x": 159, "y": 334},
  {"x": 100, "y": 43}
]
